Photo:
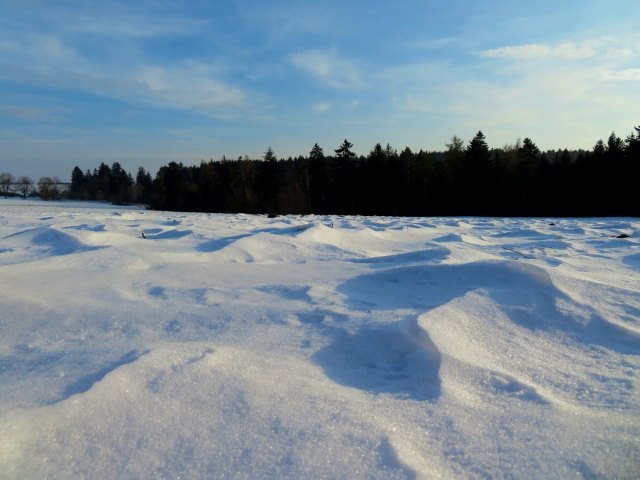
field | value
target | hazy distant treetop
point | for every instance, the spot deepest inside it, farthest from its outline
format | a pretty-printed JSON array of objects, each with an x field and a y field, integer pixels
[
  {"x": 456, "y": 144},
  {"x": 316, "y": 153},
  {"x": 377, "y": 151},
  {"x": 270, "y": 156},
  {"x": 529, "y": 149},
  {"x": 390, "y": 151},
  {"x": 615, "y": 144}
]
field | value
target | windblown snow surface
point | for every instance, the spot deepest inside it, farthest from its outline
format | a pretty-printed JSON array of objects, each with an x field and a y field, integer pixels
[{"x": 237, "y": 346}]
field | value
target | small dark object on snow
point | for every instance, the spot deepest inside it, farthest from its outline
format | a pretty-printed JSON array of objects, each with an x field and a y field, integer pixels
[
  {"x": 143, "y": 235},
  {"x": 272, "y": 215},
  {"x": 623, "y": 235},
  {"x": 552, "y": 224}
]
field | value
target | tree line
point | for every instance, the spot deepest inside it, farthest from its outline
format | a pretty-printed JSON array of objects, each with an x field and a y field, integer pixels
[
  {"x": 47, "y": 188},
  {"x": 470, "y": 179}
]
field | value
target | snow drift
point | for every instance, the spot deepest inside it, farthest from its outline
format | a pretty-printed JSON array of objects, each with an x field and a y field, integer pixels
[{"x": 220, "y": 346}]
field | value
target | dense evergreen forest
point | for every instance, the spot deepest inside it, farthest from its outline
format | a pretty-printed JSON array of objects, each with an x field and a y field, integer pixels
[{"x": 516, "y": 180}]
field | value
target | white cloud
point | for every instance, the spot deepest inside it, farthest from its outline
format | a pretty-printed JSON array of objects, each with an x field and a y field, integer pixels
[
  {"x": 629, "y": 74},
  {"x": 321, "y": 107},
  {"x": 122, "y": 67},
  {"x": 35, "y": 48},
  {"x": 432, "y": 43},
  {"x": 565, "y": 93},
  {"x": 328, "y": 68},
  {"x": 48, "y": 60},
  {"x": 191, "y": 87},
  {"x": 613, "y": 48},
  {"x": 290, "y": 18},
  {"x": 566, "y": 51},
  {"x": 570, "y": 51}
]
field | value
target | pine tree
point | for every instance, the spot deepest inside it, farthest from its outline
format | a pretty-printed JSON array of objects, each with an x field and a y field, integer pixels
[
  {"x": 270, "y": 156},
  {"x": 143, "y": 186},
  {"x": 344, "y": 151},
  {"x": 319, "y": 184},
  {"x": 78, "y": 185},
  {"x": 478, "y": 190},
  {"x": 270, "y": 182},
  {"x": 528, "y": 178},
  {"x": 478, "y": 150},
  {"x": 344, "y": 179},
  {"x": 316, "y": 153}
]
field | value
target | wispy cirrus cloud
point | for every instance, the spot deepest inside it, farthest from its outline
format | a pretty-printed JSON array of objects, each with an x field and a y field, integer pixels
[
  {"x": 192, "y": 86},
  {"x": 59, "y": 61},
  {"x": 627, "y": 74},
  {"x": 566, "y": 51},
  {"x": 328, "y": 68},
  {"x": 601, "y": 48},
  {"x": 283, "y": 20},
  {"x": 430, "y": 44},
  {"x": 516, "y": 90},
  {"x": 322, "y": 107},
  {"x": 36, "y": 48},
  {"x": 22, "y": 112},
  {"x": 131, "y": 25}
]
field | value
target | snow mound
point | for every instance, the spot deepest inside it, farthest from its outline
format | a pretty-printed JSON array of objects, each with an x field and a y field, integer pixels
[
  {"x": 398, "y": 359},
  {"x": 632, "y": 260},
  {"x": 265, "y": 417},
  {"x": 525, "y": 233},
  {"x": 364, "y": 242},
  {"x": 427, "y": 286},
  {"x": 42, "y": 242},
  {"x": 322, "y": 233},
  {"x": 262, "y": 248}
]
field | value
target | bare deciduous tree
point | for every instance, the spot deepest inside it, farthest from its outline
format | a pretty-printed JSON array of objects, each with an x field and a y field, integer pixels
[
  {"x": 47, "y": 188},
  {"x": 6, "y": 180},
  {"x": 25, "y": 185}
]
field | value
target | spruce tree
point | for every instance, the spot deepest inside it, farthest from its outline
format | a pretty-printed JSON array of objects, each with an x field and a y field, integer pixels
[
  {"x": 319, "y": 185},
  {"x": 78, "y": 184},
  {"x": 477, "y": 189},
  {"x": 344, "y": 151},
  {"x": 316, "y": 153}
]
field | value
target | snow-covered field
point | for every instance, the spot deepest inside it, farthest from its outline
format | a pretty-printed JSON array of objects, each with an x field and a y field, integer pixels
[{"x": 237, "y": 346}]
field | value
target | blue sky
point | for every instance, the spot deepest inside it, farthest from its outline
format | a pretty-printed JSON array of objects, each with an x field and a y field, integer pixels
[{"x": 147, "y": 82}]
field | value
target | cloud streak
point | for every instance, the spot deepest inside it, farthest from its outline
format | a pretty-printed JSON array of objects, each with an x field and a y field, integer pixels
[
  {"x": 550, "y": 92},
  {"x": 61, "y": 62},
  {"x": 23, "y": 113},
  {"x": 322, "y": 107},
  {"x": 328, "y": 68},
  {"x": 626, "y": 75},
  {"x": 565, "y": 51},
  {"x": 192, "y": 87},
  {"x": 603, "y": 48}
]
